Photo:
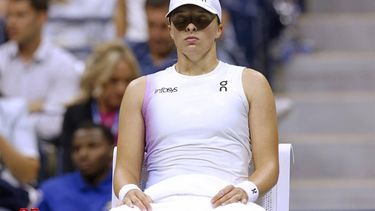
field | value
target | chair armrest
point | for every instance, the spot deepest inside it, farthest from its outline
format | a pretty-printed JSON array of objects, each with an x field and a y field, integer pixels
[
  {"x": 115, "y": 200},
  {"x": 283, "y": 184}
]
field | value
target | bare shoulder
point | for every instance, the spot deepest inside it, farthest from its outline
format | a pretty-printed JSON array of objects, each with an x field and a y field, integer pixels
[
  {"x": 136, "y": 89},
  {"x": 137, "y": 85},
  {"x": 251, "y": 75},
  {"x": 254, "y": 82}
]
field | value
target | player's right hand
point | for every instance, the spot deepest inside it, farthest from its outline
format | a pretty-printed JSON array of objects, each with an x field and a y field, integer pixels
[{"x": 139, "y": 199}]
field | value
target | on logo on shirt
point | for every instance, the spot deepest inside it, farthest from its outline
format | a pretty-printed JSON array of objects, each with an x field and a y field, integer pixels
[{"x": 223, "y": 85}]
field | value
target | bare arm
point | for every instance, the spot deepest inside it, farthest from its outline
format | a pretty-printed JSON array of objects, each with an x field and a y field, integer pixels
[
  {"x": 263, "y": 130},
  {"x": 130, "y": 146},
  {"x": 264, "y": 140},
  {"x": 64, "y": 85},
  {"x": 120, "y": 18},
  {"x": 35, "y": 106},
  {"x": 24, "y": 168},
  {"x": 3, "y": 7},
  {"x": 131, "y": 143}
]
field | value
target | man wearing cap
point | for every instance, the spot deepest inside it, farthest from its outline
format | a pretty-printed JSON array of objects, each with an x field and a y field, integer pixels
[{"x": 192, "y": 125}]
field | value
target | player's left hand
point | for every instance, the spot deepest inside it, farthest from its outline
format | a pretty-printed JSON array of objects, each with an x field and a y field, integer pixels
[{"x": 229, "y": 194}]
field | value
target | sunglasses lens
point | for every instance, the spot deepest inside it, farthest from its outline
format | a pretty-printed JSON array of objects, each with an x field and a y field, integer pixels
[
  {"x": 181, "y": 22},
  {"x": 200, "y": 21}
]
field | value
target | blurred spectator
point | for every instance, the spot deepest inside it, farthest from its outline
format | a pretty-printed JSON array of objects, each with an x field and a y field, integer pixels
[
  {"x": 256, "y": 23},
  {"x": 228, "y": 49},
  {"x": 243, "y": 15},
  {"x": 3, "y": 36},
  {"x": 36, "y": 70},
  {"x": 19, "y": 156},
  {"x": 79, "y": 26},
  {"x": 131, "y": 21},
  {"x": 302, "y": 5},
  {"x": 90, "y": 187},
  {"x": 121, "y": 18},
  {"x": 3, "y": 6},
  {"x": 108, "y": 72},
  {"x": 290, "y": 42},
  {"x": 159, "y": 52}
]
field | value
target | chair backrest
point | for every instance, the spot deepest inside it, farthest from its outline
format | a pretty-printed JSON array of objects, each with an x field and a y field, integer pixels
[{"x": 277, "y": 199}]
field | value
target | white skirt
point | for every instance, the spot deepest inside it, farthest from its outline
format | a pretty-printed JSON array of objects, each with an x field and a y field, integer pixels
[{"x": 187, "y": 193}]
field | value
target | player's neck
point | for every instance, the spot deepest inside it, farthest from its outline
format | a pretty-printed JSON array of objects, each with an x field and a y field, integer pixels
[{"x": 196, "y": 65}]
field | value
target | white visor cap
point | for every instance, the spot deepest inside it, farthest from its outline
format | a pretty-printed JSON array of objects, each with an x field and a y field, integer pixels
[{"x": 212, "y": 6}]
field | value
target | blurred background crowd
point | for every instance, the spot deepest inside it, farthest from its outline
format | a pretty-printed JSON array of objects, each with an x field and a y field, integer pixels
[{"x": 65, "y": 64}]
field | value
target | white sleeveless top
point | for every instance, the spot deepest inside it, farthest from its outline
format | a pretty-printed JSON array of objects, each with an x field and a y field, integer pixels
[{"x": 197, "y": 124}]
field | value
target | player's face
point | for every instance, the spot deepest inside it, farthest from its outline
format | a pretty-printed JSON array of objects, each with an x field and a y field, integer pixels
[{"x": 194, "y": 30}]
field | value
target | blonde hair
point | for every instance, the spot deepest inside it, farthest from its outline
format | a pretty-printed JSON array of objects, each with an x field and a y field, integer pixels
[{"x": 100, "y": 66}]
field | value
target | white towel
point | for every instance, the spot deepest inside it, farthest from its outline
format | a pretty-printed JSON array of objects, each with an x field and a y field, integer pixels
[{"x": 191, "y": 192}]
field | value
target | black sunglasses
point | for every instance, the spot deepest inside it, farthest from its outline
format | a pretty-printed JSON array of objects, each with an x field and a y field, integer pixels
[{"x": 200, "y": 20}]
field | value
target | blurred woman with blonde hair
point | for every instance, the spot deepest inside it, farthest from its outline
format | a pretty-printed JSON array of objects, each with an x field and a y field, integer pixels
[{"x": 109, "y": 70}]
